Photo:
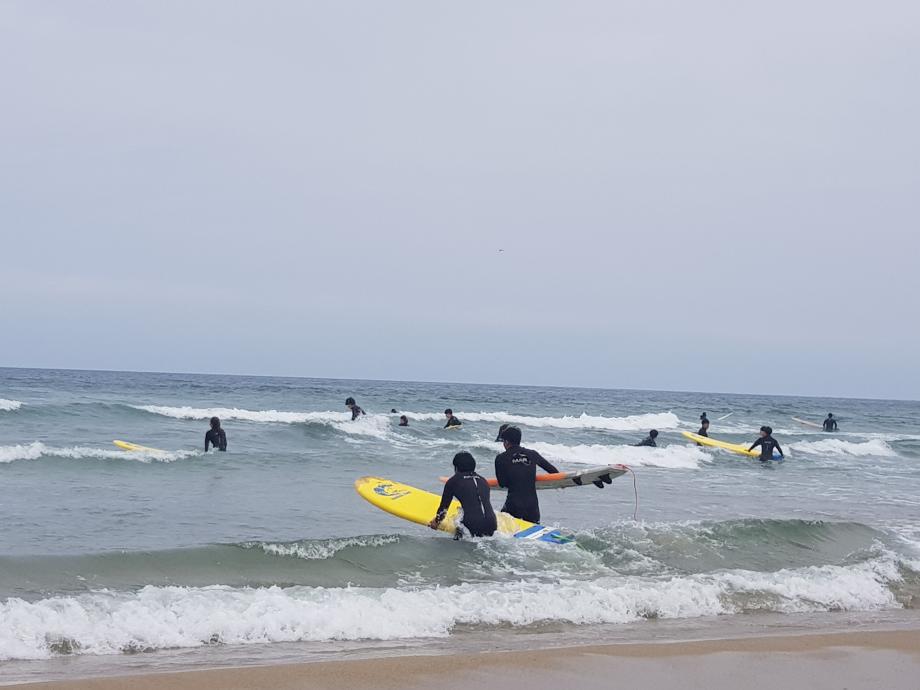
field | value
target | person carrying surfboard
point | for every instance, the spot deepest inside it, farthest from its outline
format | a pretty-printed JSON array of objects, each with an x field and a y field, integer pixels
[
  {"x": 516, "y": 471},
  {"x": 830, "y": 424},
  {"x": 215, "y": 436},
  {"x": 767, "y": 444},
  {"x": 473, "y": 493},
  {"x": 355, "y": 410}
]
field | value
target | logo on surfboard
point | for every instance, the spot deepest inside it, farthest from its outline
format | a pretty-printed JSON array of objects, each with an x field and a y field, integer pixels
[{"x": 390, "y": 491}]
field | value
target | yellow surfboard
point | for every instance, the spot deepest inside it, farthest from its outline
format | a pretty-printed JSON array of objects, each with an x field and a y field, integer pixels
[
  {"x": 725, "y": 445},
  {"x": 418, "y": 506},
  {"x": 124, "y": 445},
  {"x": 739, "y": 448}
]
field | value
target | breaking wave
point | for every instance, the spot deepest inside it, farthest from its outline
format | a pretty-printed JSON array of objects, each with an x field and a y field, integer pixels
[{"x": 37, "y": 450}]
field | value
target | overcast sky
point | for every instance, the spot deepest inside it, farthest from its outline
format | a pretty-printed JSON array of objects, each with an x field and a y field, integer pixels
[{"x": 678, "y": 195}]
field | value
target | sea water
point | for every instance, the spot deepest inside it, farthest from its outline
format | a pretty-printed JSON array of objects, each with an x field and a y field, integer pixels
[{"x": 114, "y": 560}]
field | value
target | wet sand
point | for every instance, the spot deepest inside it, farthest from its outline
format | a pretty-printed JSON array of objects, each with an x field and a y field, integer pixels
[{"x": 889, "y": 660}]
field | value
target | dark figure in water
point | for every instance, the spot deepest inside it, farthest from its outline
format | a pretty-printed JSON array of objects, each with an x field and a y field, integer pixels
[
  {"x": 830, "y": 424},
  {"x": 353, "y": 406},
  {"x": 767, "y": 444},
  {"x": 703, "y": 418},
  {"x": 451, "y": 420},
  {"x": 704, "y": 429},
  {"x": 472, "y": 491},
  {"x": 403, "y": 420},
  {"x": 215, "y": 436},
  {"x": 516, "y": 471},
  {"x": 649, "y": 440}
]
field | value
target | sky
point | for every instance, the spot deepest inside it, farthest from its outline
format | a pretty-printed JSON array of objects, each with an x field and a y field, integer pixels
[{"x": 712, "y": 196}]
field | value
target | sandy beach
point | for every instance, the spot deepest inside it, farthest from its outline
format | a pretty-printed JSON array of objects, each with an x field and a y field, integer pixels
[{"x": 889, "y": 660}]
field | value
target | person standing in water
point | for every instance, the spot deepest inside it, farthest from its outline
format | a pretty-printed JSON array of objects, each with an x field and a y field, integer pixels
[
  {"x": 473, "y": 493},
  {"x": 649, "y": 440},
  {"x": 830, "y": 424},
  {"x": 767, "y": 444},
  {"x": 704, "y": 428},
  {"x": 451, "y": 420},
  {"x": 516, "y": 471},
  {"x": 403, "y": 420},
  {"x": 356, "y": 411},
  {"x": 215, "y": 436}
]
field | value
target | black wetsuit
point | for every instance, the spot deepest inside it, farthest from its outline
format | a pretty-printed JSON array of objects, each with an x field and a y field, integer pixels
[
  {"x": 767, "y": 445},
  {"x": 648, "y": 441},
  {"x": 218, "y": 439},
  {"x": 473, "y": 493},
  {"x": 453, "y": 421},
  {"x": 830, "y": 424},
  {"x": 516, "y": 471},
  {"x": 356, "y": 412},
  {"x": 703, "y": 432}
]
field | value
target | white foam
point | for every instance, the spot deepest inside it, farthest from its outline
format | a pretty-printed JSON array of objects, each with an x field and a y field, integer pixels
[
  {"x": 321, "y": 549},
  {"x": 9, "y": 405},
  {"x": 673, "y": 456},
  {"x": 639, "y": 422},
  {"x": 172, "y": 617},
  {"x": 37, "y": 449},
  {"x": 367, "y": 425},
  {"x": 839, "y": 447}
]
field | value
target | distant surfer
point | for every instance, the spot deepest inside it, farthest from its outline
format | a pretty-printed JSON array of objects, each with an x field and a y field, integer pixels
[
  {"x": 767, "y": 444},
  {"x": 649, "y": 440},
  {"x": 451, "y": 420},
  {"x": 356, "y": 411},
  {"x": 704, "y": 428},
  {"x": 472, "y": 491},
  {"x": 703, "y": 418},
  {"x": 215, "y": 436},
  {"x": 830, "y": 424},
  {"x": 516, "y": 471},
  {"x": 403, "y": 420}
]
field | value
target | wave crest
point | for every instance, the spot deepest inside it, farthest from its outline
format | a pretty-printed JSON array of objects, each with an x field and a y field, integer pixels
[
  {"x": 37, "y": 450},
  {"x": 9, "y": 405}
]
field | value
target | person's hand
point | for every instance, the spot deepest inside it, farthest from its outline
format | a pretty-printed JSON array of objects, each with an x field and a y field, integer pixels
[{"x": 435, "y": 523}]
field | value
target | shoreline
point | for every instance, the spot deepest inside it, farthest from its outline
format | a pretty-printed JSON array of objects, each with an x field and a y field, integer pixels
[{"x": 863, "y": 659}]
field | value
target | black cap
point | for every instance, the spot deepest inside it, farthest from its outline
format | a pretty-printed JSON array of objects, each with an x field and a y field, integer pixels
[
  {"x": 511, "y": 434},
  {"x": 501, "y": 430}
]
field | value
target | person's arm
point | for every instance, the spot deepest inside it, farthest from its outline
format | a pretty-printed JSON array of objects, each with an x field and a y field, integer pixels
[
  {"x": 758, "y": 442},
  {"x": 223, "y": 440},
  {"x": 446, "y": 497},
  {"x": 778, "y": 449},
  {"x": 500, "y": 474},
  {"x": 207, "y": 440},
  {"x": 544, "y": 463}
]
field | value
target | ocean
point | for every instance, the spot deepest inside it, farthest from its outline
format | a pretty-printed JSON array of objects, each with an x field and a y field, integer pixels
[{"x": 113, "y": 561}]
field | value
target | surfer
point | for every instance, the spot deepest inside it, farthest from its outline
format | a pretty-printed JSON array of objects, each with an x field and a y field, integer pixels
[
  {"x": 649, "y": 440},
  {"x": 767, "y": 444},
  {"x": 451, "y": 420},
  {"x": 472, "y": 491},
  {"x": 356, "y": 411},
  {"x": 516, "y": 471},
  {"x": 703, "y": 418},
  {"x": 215, "y": 436},
  {"x": 830, "y": 424},
  {"x": 403, "y": 420},
  {"x": 704, "y": 428}
]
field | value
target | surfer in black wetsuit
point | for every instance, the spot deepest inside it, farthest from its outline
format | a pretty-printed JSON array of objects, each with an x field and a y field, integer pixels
[
  {"x": 353, "y": 406},
  {"x": 703, "y": 418},
  {"x": 830, "y": 424},
  {"x": 767, "y": 444},
  {"x": 472, "y": 491},
  {"x": 649, "y": 440},
  {"x": 704, "y": 429},
  {"x": 516, "y": 471},
  {"x": 451, "y": 420},
  {"x": 215, "y": 436},
  {"x": 403, "y": 420}
]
